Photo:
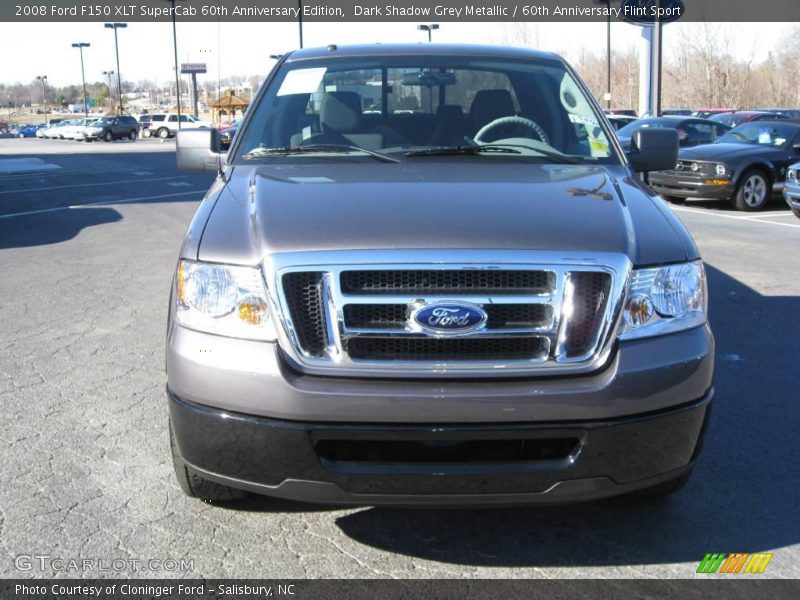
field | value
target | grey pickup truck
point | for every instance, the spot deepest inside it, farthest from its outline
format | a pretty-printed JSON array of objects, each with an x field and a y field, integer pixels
[{"x": 428, "y": 275}]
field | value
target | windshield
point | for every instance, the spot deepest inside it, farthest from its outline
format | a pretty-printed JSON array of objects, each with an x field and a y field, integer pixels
[
  {"x": 628, "y": 130},
  {"x": 404, "y": 105},
  {"x": 761, "y": 133}
]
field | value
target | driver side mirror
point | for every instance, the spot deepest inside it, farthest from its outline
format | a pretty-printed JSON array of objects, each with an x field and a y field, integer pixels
[
  {"x": 653, "y": 150},
  {"x": 197, "y": 150}
]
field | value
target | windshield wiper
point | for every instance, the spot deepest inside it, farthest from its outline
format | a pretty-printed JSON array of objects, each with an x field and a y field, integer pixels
[
  {"x": 494, "y": 148},
  {"x": 313, "y": 148}
]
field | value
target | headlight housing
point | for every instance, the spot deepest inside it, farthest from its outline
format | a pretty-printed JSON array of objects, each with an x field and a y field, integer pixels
[
  {"x": 665, "y": 300},
  {"x": 223, "y": 300},
  {"x": 720, "y": 169}
]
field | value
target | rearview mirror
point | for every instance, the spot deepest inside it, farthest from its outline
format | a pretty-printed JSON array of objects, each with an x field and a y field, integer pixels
[
  {"x": 197, "y": 150},
  {"x": 653, "y": 150}
]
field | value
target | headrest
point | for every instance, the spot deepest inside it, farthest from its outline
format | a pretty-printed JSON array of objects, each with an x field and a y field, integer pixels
[
  {"x": 489, "y": 105},
  {"x": 340, "y": 111}
]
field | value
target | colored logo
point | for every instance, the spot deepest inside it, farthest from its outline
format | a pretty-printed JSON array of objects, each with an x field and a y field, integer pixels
[
  {"x": 735, "y": 563},
  {"x": 449, "y": 318}
]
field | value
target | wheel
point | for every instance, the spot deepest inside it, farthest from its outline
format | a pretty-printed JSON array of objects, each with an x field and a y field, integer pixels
[
  {"x": 132, "y": 135},
  {"x": 753, "y": 192},
  {"x": 194, "y": 485},
  {"x": 146, "y": 133},
  {"x": 21, "y": 135},
  {"x": 480, "y": 137},
  {"x": 674, "y": 199},
  {"x": 163, "y": 133},
  {"x": 666, "y": 488},
  {"x": 107, "y": 136}
]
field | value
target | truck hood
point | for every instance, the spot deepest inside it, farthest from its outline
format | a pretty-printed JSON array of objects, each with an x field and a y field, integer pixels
[{"x": 432, "y": 203}]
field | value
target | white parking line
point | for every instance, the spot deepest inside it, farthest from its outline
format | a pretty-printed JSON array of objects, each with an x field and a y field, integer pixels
[
  {"x": 74, "y": 185},
  {"x": 110, "y": 202},
  {"x": 734, "y": 217}
]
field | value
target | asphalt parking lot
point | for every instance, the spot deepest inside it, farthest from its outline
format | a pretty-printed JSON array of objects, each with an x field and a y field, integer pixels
[{"x": 89, "y": 235}]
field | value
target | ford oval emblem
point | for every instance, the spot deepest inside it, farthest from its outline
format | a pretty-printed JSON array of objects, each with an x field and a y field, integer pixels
[{"x": 445, "y": 318}]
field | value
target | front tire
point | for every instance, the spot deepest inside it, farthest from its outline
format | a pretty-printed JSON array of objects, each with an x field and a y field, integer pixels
[
  {"x": 108, "y": 137},
  {"x": 194, "y": 485},
  {"x": 163, "y": 133},
  {"x": 753, "y": 192},
  {"x": 21, "y": 135}
]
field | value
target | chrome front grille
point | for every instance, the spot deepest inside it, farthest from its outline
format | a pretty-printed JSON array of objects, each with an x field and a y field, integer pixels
[{"x": 353, "y": 318}]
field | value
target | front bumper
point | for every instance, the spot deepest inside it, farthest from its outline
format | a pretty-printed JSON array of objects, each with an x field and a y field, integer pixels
[
  {"x": 791, "y": 193},
  {"x": 293, "y": 460},
  {"x": 244, "y": 417},
  {"x": 683, "y": 185}
]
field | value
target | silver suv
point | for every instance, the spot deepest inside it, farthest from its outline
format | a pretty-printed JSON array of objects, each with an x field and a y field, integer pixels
[{"x": 428, "y": 275}]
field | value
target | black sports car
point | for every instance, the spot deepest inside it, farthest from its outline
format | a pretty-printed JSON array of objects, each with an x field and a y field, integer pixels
[{"x": 746, "y": 165}]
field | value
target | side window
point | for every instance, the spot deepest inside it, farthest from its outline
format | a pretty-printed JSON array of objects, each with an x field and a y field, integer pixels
[
  {"x": 184, "y": 118},
  {"x": 173, "y": 118},
  {"x": 698, "y": 133}
]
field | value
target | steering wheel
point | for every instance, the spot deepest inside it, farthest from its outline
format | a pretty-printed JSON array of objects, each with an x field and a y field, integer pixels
[{"x": 512, "y": 120}]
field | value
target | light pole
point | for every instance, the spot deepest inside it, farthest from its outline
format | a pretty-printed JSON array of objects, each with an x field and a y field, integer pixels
[
  {"x": 300, "y": 20},
  {"x": 429, "y": 28},
  {"x": 108, "y": 75},
  {"x": 175, "y": 47},
  {"x": 80, "y": 46},
  {"x": 116, "y": 26},
  {"x": 43, "y": 78}
]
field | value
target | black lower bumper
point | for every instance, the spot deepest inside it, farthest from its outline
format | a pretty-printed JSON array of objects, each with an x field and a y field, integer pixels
[{"x": 496, "y": 464}]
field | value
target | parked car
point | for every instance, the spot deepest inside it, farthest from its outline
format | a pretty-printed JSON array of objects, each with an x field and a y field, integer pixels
[
  {"x": 144, "y": 124},
  {"x": 76, "y": 129},
  {"x": 166, "y": 125},
  {"x": 744, "y": 166},
  {"x": 704, "y": 113},
  {"x": 372, "y": 309},
  {"x": 28, "y": 130},
  {"x": 628, "y": 112},
  {"x": 736, "y": 118},
  {"x": 56, "y": 130},
  {"x": 677, "y": 112},
  {"x": 691, "y": 131},
  {"x": 620, "y": 121},
  {"x": 791, "y": 191},
  {"x": 792, "y": 113},
  {"x": 111, "y": 128}
]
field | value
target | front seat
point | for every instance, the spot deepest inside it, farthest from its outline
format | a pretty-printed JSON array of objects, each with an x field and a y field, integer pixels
[
  {"x": 340, "y": 118},
  {"x": 489, "y": 105}
]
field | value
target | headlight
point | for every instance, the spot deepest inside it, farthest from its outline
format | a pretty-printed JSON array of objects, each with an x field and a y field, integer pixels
[
  {"x": 665, "y": 300},
  {"x": 224, "y": 300},
  {"x": 721, "y": 169},
  {"x": 791, "y": 175}
]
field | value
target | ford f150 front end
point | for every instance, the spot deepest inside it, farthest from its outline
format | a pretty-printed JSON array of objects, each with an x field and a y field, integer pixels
[{"x": 431, "y": 277}]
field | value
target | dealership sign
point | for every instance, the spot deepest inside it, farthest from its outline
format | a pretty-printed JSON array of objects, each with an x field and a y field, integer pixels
[{"x": 193, "y": 67}]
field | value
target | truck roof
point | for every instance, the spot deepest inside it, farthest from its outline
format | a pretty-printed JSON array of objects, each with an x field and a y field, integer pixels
[{"x": 420, "y": 49}]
